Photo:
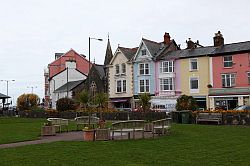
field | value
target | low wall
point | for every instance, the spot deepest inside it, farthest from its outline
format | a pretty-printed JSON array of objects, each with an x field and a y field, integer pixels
[{"x": 150, "y": 116}]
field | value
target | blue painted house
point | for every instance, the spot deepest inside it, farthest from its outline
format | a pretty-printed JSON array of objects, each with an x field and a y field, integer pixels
[{"x": 145, "y": 71}]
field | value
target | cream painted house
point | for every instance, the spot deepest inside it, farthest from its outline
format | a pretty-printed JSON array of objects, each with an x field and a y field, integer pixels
[
  {"x": 195, "y": 75},
  {"x": 121, "y": 78}
]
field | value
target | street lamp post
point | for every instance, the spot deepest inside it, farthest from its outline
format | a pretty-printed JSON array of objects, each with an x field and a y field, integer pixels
[
  {"x": 32, "y": 87},
  {"x": 91, "y": 38},
  {"x": 7, "y": 81}
]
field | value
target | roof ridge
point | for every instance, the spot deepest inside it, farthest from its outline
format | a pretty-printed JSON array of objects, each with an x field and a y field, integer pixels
[
  {"x": 237, "y": 43},
  {"x": 151, "y": 41},
  {"x": 127, "y": 47}
]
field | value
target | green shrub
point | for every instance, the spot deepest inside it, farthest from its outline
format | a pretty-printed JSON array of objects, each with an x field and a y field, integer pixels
[
  {"x": 185, "y": 102},
  {"x": 65, "y": 104}
]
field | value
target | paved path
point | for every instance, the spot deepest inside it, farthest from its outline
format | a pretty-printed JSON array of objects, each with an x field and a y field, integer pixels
[{"x": 68, "y": 136}]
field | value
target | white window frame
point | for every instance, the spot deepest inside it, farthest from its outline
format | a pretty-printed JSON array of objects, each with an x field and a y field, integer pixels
[
  {"x": 167, "y": 67},
  {"x": 117, "y": 73},
  {"x": 123, "y": 88},
  {"x": 190, "y": 64},
  {"x": 228, "y": 62},
  {"x": 123, "y": 67},
  {"x": 231, "y": 82},
  {"x": 144, "y": 85},
  {"x": 144, "y": 68},
  {"x": 194, "y": 90},
  {"x": 116, "y": 86},
  {"x": 169, "y": 85}
]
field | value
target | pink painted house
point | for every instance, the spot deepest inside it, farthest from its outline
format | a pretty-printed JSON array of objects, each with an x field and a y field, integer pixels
[
  {"x": 167, "y": 83},
  {"x": 230, "y": 74}
]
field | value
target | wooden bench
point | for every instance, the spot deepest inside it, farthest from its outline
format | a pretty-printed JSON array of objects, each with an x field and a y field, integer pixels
[
  {"x": 161, "y": 126},
  {"x": 128, "y": 127},
  {"x": 59, "y": 123},
  {"x": 209, "y": 117},
  {"x": 84, "y": 121}
]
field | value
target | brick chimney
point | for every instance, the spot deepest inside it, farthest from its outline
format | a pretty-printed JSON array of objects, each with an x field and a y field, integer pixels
[
  {"x": 190, "y": 44},
  {"x": 218, "y": 39},
  {"x": 166, "y": 38}
]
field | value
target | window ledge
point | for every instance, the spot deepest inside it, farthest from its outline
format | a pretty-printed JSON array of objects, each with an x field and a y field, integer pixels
[
  {"x": 120, "y": 92},
  {"x": 144, "y": 75}
]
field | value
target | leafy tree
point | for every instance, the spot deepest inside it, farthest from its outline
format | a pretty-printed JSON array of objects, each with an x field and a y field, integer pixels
[
  {"x": 27, "y": 101},
  {"x": 83, "y": 99},
  {"x": 65, "y": 104},
  {"x": 185, "y": 102},
  {"x": 144, "y": 101},
  {"x": 101, "y": 101}
]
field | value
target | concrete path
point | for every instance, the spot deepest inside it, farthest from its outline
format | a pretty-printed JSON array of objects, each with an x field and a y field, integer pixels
[
  {"x": 70, "y": 136},
  {"x": 67, "y": 136}
]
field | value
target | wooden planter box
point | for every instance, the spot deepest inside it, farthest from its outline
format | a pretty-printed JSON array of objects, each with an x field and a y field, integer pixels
[
  {"x": 48, "y": 130},
  {"x": 89, "y": 135},
  {"x": 102, "y": 134}
]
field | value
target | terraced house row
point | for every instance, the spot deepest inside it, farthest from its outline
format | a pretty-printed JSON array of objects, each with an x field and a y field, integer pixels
[{"x": 216, "y": 76}]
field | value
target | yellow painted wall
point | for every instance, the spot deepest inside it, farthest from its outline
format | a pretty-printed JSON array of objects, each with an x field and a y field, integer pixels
[{"x": 202, "y": 73}]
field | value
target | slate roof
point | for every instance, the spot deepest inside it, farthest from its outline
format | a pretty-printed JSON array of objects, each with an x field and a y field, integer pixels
[
  {"x": 71, "y": 85},
  {"x": 153, "y": 47},
  {"x": 233, "y": 47},
  {"x": 2, "y": 96},
  {"x": 166, "y": 48},
  {"x": 100, "y": 70},
  {"x": 128, "y": 52},
  {"x": 208, "y": 51}
]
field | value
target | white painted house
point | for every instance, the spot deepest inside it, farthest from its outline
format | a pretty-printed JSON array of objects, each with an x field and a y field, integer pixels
[{"x": 65, "y": 73}]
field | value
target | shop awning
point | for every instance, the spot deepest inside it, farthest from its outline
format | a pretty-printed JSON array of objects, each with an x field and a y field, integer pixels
[{"x": 118, "y": 100}]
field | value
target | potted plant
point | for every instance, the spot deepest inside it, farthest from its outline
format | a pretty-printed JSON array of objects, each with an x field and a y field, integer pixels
[
  {"x": 89, "y": 134},
  {"x": 89, "y": 131}
]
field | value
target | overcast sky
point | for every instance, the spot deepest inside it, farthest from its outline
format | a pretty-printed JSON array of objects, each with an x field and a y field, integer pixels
[{"x": 31, "y": 31}]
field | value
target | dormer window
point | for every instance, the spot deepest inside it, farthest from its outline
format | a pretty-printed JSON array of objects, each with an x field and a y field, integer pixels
[
  {"x": 117, "y": 69},
  {"x": 143, "y": 52}
]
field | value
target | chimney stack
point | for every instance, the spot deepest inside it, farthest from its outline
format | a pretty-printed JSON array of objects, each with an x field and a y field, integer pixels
[
  {"x": 166, "y": 38},
  {"x": 218, "y": 39},
  {"x": 190, "y": 44}
]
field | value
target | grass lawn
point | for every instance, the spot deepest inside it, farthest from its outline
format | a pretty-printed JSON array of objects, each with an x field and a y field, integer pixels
[
  {"x": 186, "y": 145},
  {"x": 22, "y": 129},
  {"x": 19, "y": 129}
]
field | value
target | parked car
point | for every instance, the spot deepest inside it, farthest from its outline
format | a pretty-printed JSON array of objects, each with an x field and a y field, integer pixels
[{"x": 243, "y": 107}]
